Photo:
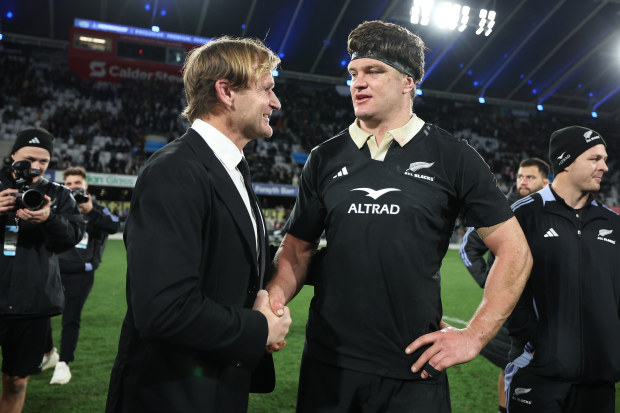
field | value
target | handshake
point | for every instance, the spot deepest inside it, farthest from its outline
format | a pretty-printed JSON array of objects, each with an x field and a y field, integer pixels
[{"x": 278, "y": 320}]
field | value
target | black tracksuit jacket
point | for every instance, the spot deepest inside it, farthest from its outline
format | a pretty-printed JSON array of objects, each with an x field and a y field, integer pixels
[
  {"x": 570, "y": 308},
  {"x": 100, "y": 222},
  {"x": 30, "y": 281}
]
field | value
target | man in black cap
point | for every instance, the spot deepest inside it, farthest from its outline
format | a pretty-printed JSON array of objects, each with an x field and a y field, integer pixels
[
  {"x": 39, "y": 219},
  {"x": 531, "y": 177},
  {"x": 566, "y": 327}
]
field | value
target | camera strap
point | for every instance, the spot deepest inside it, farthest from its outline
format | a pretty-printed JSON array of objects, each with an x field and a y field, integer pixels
[{"x": 10, "y": 235}]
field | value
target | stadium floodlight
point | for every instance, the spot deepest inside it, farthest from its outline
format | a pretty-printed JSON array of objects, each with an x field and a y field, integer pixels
[
  {"x": 451, "y": 15},
  {"x": 447, "y": 15},
  {"x": 464, "y": 18},
  {"x": 487, "y": 19},
  {"x": 490, "y": 23},
  {"x": 421, "y": 11},
  {"x": 594, "y": 114}
]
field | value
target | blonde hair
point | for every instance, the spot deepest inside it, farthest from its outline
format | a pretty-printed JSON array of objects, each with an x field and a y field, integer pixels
[{"x": 242, "y": 61}]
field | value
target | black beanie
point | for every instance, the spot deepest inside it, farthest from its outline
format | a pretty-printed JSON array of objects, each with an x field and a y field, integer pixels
[
  {"x": 38, "y": 137},
  {"x": 568, "y": 143}
]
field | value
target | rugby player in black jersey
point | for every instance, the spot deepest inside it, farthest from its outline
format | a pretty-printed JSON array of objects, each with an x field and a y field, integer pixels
[{"x": 387, "y": 191}]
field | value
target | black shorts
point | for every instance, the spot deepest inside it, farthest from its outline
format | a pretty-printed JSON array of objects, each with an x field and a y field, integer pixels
[
  {"x": 531, "y": 393},
  {"x": 23, "y": 344},
  {"x": 498, "y": 349},
  {"x": 329, "y": 389}
]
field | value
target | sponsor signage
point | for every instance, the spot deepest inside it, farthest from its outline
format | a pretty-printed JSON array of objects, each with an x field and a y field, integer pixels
[
  {"x": 138, "y": 31},
  {"x": 116, "y": 71},
  {"x": 275, "y": 190},
  {"x": 129, "y": 181},
  {"x": 99, "y": 179}
]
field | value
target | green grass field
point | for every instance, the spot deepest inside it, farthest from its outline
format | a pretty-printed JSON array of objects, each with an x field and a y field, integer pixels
[{"x": 473, "y": 385}]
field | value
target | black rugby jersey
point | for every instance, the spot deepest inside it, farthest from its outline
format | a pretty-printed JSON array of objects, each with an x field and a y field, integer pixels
[{"x": 388, "y": 226}]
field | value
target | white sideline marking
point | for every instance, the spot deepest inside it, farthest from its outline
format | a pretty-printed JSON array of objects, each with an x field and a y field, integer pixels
[{"x": 454, "y": 320}]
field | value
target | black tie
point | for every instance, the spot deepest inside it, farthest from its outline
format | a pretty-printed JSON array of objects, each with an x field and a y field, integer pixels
[{"x": 245, "y": 172}]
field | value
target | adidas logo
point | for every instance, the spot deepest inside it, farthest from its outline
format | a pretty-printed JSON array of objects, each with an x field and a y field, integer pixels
[
  {"x": 342, "y": 172},
  {"x": 35, "y": 140},
  {"x": 551, "y": 233}
]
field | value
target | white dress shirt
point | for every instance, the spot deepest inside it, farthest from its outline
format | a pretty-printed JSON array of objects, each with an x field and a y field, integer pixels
[{"x": 230, "y": 156}]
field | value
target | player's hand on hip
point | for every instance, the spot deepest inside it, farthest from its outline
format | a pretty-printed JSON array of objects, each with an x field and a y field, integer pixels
[{"x": 448, "y": 347}]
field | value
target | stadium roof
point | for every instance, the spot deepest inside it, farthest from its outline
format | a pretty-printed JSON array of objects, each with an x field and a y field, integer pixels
[{"x": 563, "y": 54}]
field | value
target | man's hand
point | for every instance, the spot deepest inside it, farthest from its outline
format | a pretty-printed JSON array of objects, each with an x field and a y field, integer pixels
[
  {"x": 449, "y": 346},
  {"x": 278, "y": 324},
  {"x": 86, "y": 207},
  {"x": 36, "y": 217},
  {"x": 276, "y": 301},
  {"x": 7, "y": 200}
]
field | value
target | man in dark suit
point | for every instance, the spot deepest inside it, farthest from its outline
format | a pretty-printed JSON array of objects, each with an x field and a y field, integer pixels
[{"x": 198, "y": 333}]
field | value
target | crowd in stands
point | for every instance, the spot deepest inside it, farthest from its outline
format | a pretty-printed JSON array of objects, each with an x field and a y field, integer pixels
[{"x": 105, "y": 126}]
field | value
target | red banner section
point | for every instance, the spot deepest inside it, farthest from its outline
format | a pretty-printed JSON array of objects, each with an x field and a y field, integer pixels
[{"x": 116, "y": 71}]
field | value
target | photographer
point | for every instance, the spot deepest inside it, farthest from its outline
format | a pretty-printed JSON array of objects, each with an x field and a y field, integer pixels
[
  {"x": 77, "y": 268},
  {"x": 30, "y": 287}
]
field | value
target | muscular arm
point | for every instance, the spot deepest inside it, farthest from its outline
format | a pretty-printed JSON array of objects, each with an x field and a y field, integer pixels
[
  {"x": 291, "y": 268},
  {"x": 506, "y": 280}
]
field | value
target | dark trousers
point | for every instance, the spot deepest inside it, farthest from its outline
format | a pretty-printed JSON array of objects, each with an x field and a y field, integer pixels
[
  {"x": 77, "y": 287},
  {"x": 330, "y": 389}
]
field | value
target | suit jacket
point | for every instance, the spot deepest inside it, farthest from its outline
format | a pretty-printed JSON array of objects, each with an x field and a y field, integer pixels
[{"x": 190, "y": 341}]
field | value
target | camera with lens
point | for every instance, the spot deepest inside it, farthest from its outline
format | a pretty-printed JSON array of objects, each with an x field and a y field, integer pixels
[
  {"x": 29, "y": 198},
  {"x": 80, "y": 195}
]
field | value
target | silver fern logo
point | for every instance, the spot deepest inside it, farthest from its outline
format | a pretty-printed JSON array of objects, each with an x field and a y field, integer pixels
[
  {"x": 589, "y": 137},
  {"x": 416, "y": 166},
  {"x": 603, "y": 235}
]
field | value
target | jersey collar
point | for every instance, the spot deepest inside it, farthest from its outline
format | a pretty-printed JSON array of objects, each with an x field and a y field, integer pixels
[{"x": 401, "y": 135}]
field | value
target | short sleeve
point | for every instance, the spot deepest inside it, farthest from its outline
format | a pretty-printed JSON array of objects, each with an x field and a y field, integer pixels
[
  {"x": 484, "y": 205},
  {"x": 308, "y": 216}
]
